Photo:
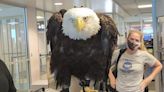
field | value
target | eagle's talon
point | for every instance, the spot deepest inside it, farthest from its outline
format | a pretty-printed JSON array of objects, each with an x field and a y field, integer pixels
[{"x": 89, "y": 89}]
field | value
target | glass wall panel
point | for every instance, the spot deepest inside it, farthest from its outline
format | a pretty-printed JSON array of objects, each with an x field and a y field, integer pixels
[
  {"x": 42, "y": 43},
  {"x": 42, "y": 19},
  {"x": 13, "y": 41},
  {"x": 160, "y": 47},
  {"x": 120, "y": 23}
]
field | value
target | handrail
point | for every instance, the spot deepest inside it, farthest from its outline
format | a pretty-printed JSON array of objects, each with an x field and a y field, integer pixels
[
  {"x": 46, "y": 54},
  {"x": 18, "y": 56},
  {"x": 15, "y": 53},
  {"x": 18, "y": 61}
]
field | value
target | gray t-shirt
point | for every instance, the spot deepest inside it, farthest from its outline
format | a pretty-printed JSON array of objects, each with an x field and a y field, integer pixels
[{"x": 131, "y": 69}]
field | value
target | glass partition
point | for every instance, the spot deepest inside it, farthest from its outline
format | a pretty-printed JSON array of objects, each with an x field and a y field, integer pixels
[
  {"x": 42, "y": 43},
  {"x": 160, "y": 47},
  {"x": 13, "y": 43},
  {"x": 42, "y": 19}
]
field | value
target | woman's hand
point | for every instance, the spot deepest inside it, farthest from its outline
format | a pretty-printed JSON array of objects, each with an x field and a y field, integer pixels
[
  {"x": 113, "y": 83},
  {"x": 112, "y": 79},
  {"x": 157, "y": 68},
  {"x": 145, "y": 83}
]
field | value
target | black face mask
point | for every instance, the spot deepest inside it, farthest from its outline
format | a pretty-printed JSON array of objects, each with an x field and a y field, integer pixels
[{"x": 131, "y": 45}]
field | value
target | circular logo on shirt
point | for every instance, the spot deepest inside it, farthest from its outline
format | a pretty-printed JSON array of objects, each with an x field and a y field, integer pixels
[{"x": 127, "y": 66}]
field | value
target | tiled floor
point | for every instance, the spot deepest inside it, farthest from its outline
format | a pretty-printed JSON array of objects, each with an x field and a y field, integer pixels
[
  {"x": 75, "y": 82},
  {"x": 52, "y": 87}
]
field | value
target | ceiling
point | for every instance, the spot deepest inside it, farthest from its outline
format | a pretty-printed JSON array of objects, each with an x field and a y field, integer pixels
[
  {"x": 47, "y": 5},
  {"x": 129, "y": 6}
]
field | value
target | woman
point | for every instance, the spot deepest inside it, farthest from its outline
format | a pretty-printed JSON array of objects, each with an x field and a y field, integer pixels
[
  {"x": 130, "y": 67},
  {"x": 6, "y": 81}
]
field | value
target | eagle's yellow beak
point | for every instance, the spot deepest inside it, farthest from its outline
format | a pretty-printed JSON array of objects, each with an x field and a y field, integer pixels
[{"x": 79, "y": 24}]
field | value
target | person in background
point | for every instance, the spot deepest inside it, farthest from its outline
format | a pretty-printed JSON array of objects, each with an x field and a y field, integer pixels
[
  {"x": 131, "y": 64},
  {"x": 6, "y": 81}
]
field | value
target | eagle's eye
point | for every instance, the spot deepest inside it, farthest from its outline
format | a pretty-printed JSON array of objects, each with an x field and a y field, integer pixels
[{"x": 85, "y": 18}]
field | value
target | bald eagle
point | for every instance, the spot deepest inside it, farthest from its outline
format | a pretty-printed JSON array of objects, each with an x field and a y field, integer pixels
[{"x": 82, "y": 43}]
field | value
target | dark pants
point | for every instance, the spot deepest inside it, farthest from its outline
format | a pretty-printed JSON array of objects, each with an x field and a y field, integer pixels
[
  {"x": 112, "y": 89},
  {"x": 146, "y": 89}
]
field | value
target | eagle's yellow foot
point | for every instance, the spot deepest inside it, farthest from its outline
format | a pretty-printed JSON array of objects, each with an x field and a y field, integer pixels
[{"x": 89, "y": 89}]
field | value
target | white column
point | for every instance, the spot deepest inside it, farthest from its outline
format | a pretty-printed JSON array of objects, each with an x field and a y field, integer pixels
[{"x": 33, "y": 43}]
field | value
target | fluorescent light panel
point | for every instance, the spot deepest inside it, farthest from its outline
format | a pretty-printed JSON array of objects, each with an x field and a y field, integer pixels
[
  {"x": 145, "y": 6},
  {"x": 39, "y": 17},
  {"x": 58, "y": 3}
]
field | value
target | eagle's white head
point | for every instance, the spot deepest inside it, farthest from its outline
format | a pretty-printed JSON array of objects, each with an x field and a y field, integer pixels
[{"x": 80, "y": 23}]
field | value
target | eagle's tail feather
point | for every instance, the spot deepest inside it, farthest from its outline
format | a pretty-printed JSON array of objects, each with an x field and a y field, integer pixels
[{"x": 63, "y": 78}]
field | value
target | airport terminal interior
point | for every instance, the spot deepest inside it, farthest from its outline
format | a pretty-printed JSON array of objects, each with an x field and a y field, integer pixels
[{"x": 24, "y": 49}]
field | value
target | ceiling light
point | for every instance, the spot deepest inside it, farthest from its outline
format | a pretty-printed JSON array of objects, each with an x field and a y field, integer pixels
[
  {"x": 145, "y": 6},
  {"x": 0, "y": 9},
  {"x": 58, "y": 3},
  {"x": 39, "y": 17}
]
